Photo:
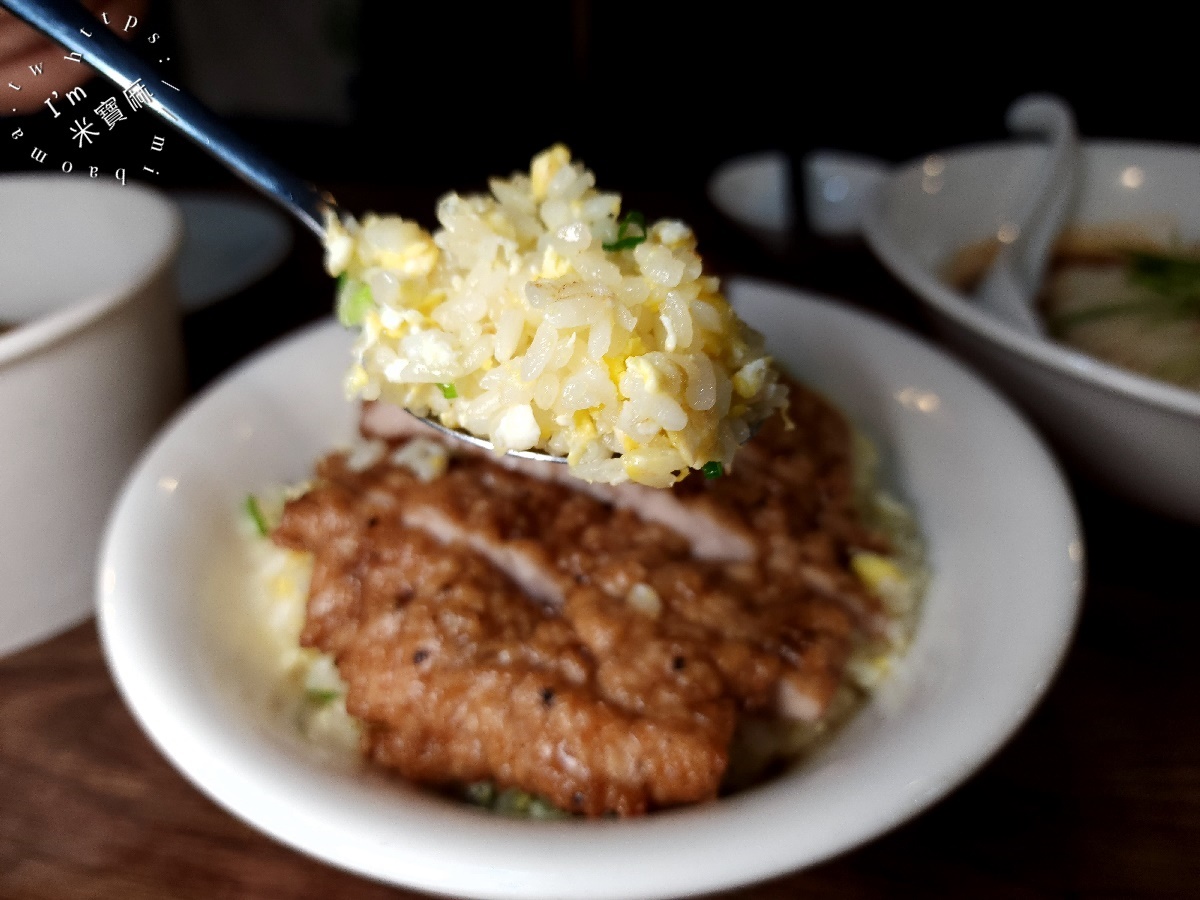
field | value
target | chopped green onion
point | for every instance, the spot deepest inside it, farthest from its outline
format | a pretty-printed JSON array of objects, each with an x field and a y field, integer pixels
[
  {"x": 1172, "y": 276},
  {"x": 713, "y": 469},
  {"x": 256, "y": 515},
  {"x": 523, "y": 805},
  {"x": 448, "y": 391},
  {"x": 317, "y": 695},
  {"x": 1162, "y": 307},
  {"x": 625, "y": 240},
  {"x": 512, "y": 802},
  {"x": 540, "y": 809},
  {"x": 481, "y": 793},
  {"x": 1174, "y": 280},
  {"x": 354, "y": 301}
]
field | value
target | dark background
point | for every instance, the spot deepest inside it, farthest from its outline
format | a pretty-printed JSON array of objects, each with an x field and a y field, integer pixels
[{"x": 652, "y": 96}]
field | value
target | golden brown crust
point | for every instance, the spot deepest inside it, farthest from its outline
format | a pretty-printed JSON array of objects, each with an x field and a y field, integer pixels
[{"x": 487, "y": 628}]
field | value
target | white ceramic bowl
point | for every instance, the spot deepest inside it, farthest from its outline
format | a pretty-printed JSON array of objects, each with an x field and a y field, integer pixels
[
  {"x": 1135, "y": 434},
  {"x": 1005, "y": 551},
  {"x": 93, "y": 369},
  {"x": 755, "y": 191}
]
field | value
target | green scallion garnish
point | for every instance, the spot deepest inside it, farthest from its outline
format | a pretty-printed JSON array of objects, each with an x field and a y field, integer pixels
[
  {"x": 1171, "y": 276},
  {"x": 1160, "y": 308},
  {"x": 481, "y": 793},
  {"x": 256, "y": 515},
  {"x": 1173, "y": 283},
  {"x": 713, "y": 469},
  {"x": 522, "y": 805},
  {"x": 541, "y": 809},
  {"x": 354, "y": 300},
  {"x": 625, "y": 240},
  {"x": 448, "y": 391},
  {"x": 320, "y": 696},
  {"x": 512, "y": 802}
]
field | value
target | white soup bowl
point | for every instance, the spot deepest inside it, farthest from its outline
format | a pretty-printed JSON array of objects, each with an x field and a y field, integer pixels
[{"x": 1139, "y": 436}]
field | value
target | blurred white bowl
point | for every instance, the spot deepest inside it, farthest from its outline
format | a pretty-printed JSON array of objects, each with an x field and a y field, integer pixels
[
  {"x": 91, "y": 369},
  {"x": 1135, "y": 434},
  {"x": 755, "y": 191}
]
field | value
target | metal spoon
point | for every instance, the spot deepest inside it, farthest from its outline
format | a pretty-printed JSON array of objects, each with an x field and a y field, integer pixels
[
  {"x": 1011, "y": 284},
  {"x": 69, "y": 24}
]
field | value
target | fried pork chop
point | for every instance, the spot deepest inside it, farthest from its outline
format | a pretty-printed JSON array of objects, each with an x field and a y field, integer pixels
[{"x": 500, "y": 623}]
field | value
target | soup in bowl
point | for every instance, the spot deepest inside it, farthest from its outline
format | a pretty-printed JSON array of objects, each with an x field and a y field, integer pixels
[{"x": 1137, "y": 433}]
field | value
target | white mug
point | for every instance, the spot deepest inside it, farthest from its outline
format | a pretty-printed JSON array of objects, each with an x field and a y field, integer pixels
[{"x": 91, "y": 363}]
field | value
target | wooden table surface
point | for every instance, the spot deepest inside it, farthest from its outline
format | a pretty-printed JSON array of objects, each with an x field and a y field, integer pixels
[{"x": 1098, "y": 795}]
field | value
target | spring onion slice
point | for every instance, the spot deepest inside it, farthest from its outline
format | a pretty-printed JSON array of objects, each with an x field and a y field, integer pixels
[
  {"x": 625, "y": 240},
  {"x": 1162, "y": 308},
  {"x": 1171, "y": 276},
  {"x": 322, "y": 697},
  {"x": 353, "y": 303},
  {"x": 256, "y": 515}
]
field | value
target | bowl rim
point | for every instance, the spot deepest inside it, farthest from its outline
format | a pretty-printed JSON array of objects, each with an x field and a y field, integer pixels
[
  {"x": 1039, "y": 350},
  {"x": 126, "y": 658},
  {"x": 44, "y": 331}
]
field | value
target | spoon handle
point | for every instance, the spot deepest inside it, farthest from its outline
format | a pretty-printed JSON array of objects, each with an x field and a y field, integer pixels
[
  {"x": 69, "y": 24},
  {"x": 1010, "y": 286},
  {"x": 1045, "y": 115}
]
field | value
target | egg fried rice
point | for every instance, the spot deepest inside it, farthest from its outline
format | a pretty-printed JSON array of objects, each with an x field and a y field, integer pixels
[{"x": 541, "y": 316}]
